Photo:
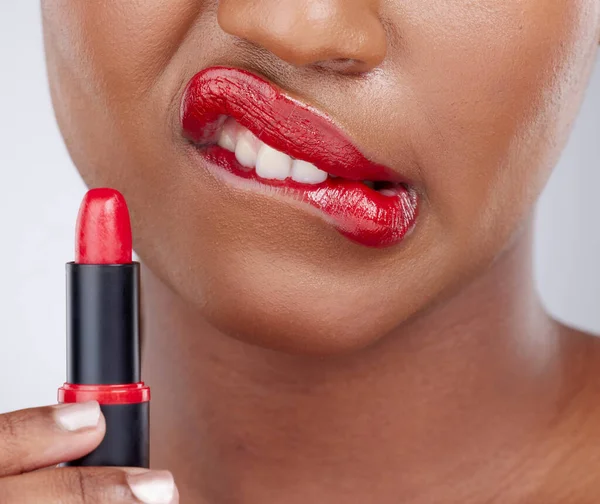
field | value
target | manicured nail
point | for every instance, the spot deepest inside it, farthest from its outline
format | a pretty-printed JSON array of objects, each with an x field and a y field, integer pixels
[
  {"x": 152, "y": 487},
  {"x": 77, "y": 416}
]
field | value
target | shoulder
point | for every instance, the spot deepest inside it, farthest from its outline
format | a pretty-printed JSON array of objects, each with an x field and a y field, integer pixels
[{"x": 569, "y": 458}]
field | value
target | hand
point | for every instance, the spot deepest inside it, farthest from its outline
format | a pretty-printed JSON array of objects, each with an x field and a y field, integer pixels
[{"x": 41, "y": 438}]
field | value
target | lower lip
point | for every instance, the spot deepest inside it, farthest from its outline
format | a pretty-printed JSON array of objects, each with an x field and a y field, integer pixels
[{"x": 358, "y": 212}]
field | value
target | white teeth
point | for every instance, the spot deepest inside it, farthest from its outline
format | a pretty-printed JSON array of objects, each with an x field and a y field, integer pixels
[
  {"x": 228, "y": 136},
  {"x": 388, "y": 192},
  {"x": 307, "y": 173},
  {"x": 246, "y": 150},
  {"x": 272, "y": 164},
  {"x": 269, "y": 163}
]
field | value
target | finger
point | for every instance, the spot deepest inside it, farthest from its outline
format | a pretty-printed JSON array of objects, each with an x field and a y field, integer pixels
[
  {"x": 35, "y": 438},
  {"x": 90, "y": 485}
]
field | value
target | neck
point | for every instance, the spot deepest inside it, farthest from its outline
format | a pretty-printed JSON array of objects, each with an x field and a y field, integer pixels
[{"x": 444, "y": 402}]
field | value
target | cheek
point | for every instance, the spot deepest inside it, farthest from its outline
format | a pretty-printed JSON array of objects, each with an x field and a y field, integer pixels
[
  {"x": 118, "y": 46},
  {"x": 111, "y": 68},
  {"x": 496, "y": 85}
]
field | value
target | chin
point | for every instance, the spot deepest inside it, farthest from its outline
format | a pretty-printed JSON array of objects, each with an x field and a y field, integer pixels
[
  {"x": 296, "y": 311},
  {"x": 297, "y": 329}
]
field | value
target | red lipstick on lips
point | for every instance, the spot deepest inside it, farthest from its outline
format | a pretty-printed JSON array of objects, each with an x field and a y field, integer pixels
[
  {"x": 290, "y": 126},
  {"x": 103, "y": 356}
]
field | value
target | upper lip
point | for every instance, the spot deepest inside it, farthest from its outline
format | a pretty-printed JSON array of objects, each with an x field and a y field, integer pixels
[{"x": 277, "y": 119}]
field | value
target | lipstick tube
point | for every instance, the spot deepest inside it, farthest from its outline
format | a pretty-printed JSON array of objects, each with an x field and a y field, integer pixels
[{"x": 103, "y": 343}]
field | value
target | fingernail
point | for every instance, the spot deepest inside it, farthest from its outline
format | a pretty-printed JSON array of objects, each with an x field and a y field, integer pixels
[
  {"x": 77, "y": 416},
  {"x": 152, "y": 487}
]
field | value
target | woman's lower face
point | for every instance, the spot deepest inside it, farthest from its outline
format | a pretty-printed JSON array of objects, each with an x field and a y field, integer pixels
[{"x": 406, "y": 143}]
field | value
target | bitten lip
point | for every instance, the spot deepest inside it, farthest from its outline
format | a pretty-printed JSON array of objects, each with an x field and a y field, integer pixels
[{"x": 219, "y": 95}]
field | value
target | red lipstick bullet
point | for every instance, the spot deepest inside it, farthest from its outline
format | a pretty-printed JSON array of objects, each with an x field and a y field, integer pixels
[
  {"x": 103, "y": 233},
  {"x": 103, "y": 344}
]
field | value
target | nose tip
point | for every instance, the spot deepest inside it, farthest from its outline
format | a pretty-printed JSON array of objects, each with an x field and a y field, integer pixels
[{"x": 345, "y": 36}]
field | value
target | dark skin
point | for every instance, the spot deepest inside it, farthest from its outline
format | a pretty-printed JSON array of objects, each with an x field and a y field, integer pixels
[{"x": 289, "y": 364}]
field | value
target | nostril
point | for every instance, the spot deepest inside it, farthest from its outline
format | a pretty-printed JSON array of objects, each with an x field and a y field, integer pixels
[{"x": 341, "y": 65}]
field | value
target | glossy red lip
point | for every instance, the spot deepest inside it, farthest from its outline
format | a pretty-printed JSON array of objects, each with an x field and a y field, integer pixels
[{"x": 302, "y": 132}]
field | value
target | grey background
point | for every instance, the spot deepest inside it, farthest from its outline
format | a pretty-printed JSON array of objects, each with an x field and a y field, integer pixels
[{"x": 34, "y": 163}]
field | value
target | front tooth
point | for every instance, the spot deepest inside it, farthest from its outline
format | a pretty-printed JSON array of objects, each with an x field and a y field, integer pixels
[
  {"x": 246, "y": 150},
  {"x": 307, "y": 173},
  {"x": 272, "y": 164},
  {"x": 228, "y": 137}
]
